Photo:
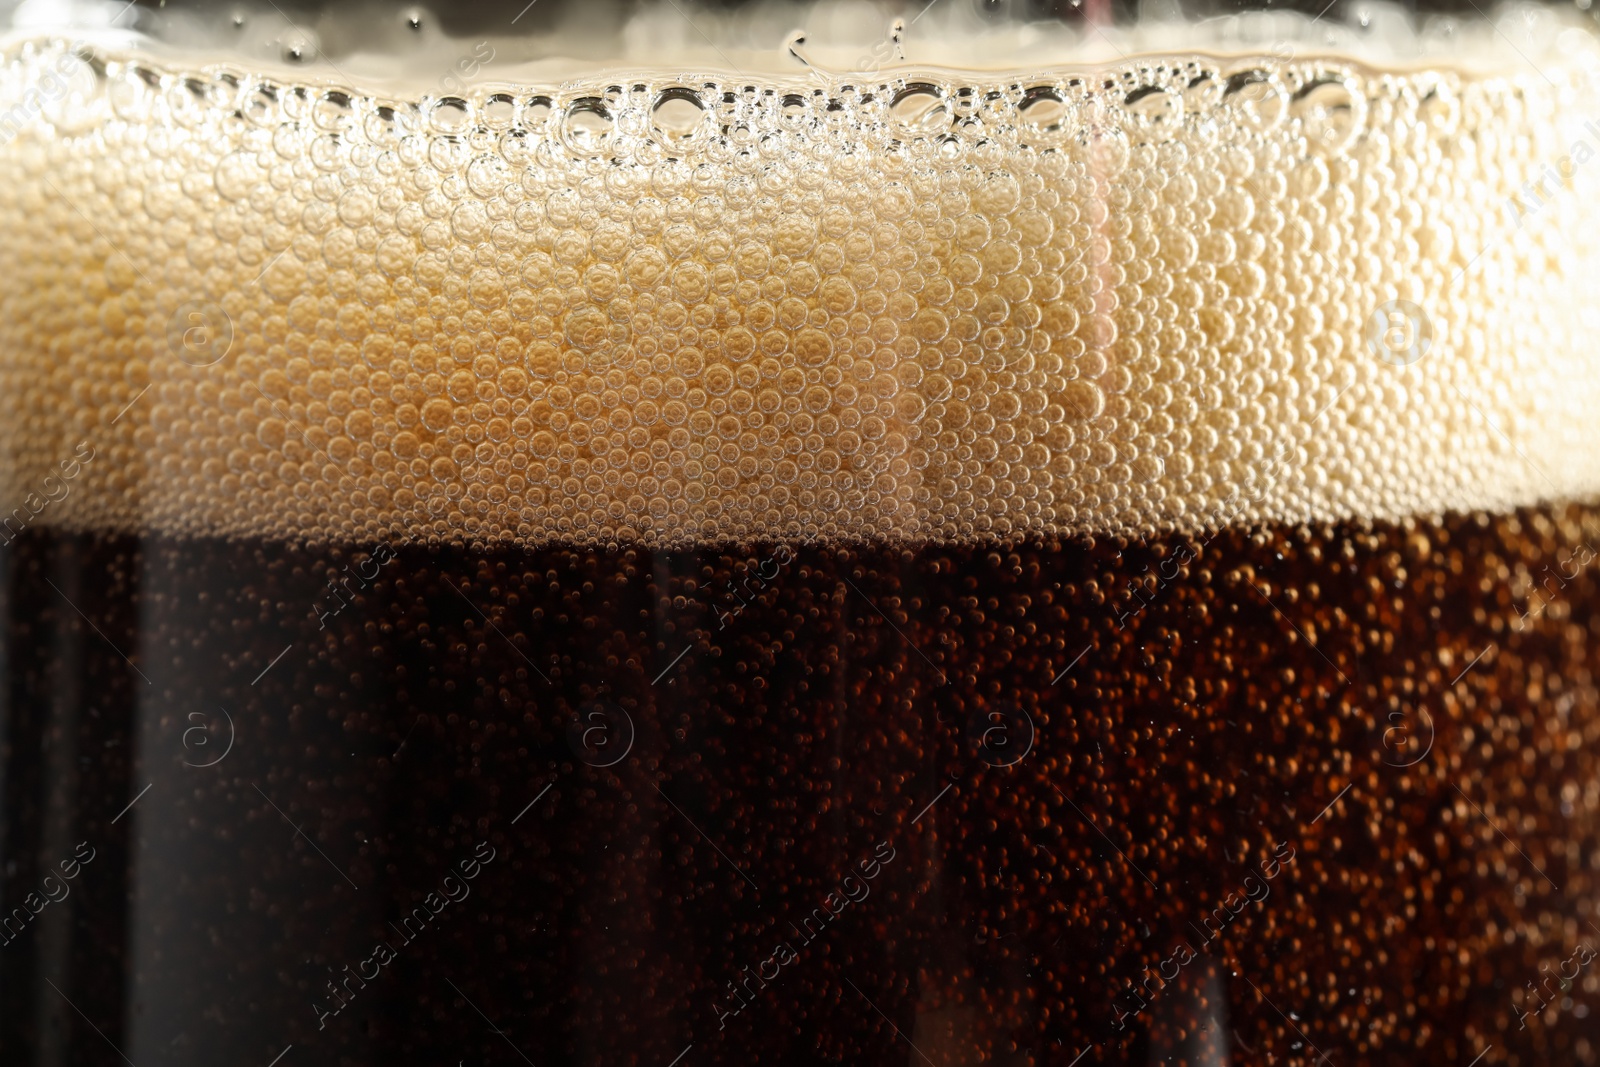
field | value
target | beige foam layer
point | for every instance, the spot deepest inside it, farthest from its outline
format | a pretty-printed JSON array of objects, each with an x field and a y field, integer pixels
[{"x": 1172, "y": 296}]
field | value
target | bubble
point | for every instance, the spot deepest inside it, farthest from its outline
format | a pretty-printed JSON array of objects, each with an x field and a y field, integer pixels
[
  {"x": 587, "y": 128},
  {"x": 384, "y": 125},
  {"x": 920, "y": 109},
  {"x": 1257, "y": 97},
  {"x": 487, "y": 289},
  {"x": 1330, "y": 110},
  {"x": 678, "y": 117},
  {"x": 332, "y": 112},
  {"x": 537, "y": 111},
  {"x": 812, "y": 347},
  {"x": 470, "y": 221},
  {"x": 437, "y": 414},
  {"x": 396, "y": 255},
  {"x": 1440, "y": 108},
  {"x": 793, "y": 112},
  {"x": 449, "y": 115},
  {"x": 1105, "y": 150},
  {"x": 130, "y": 98},
  {"x": 237, "y": 174},
  {"x": 76, "y": 103},
  {"x": 1044, "y": 115},
  {"x": 1083, "y": 400},
  {"x": 645, "y": 268},
  {"x": 1203, "y": 93},
  {"x": 357, "y": 207},
  {"x": 1157, "y": 112},
  {"x": 499, "y": 111}
]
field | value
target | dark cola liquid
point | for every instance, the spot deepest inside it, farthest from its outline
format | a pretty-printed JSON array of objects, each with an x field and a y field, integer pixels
[{"x": 1258, "y": 798}]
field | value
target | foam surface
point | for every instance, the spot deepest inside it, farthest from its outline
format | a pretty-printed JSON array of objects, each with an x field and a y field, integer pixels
[{"x": 675, "y": 308}]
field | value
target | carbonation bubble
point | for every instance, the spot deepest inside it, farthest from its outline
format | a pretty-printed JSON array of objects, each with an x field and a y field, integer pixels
[
  {"x": 537, "y": 111},
  {"x": 1083, "y": 400},
  {"x": 450, "y": 115},
  {"x": 793, "y": 111},
  {"x": 920, "y": 108},
  {"x": 499, "y": 111},
  {"x": 436, "y": 414},
  {"x": 1330, "y": 111},
  {"x": 1203, "y": 92},
  {"x": 678, "y": 117},
  {"x": 333, "y": 111},
  {"x": 1440, "y": 107},
  {"x": 237, "y": 174},
  {"x": 1044, "y": 115},
  {"x": 1157, "y": 113},
  {"x": 1257, "y": 96},
  {"x": 77, "y": 103},
  {"x": 384, "y": 125},
  {"x": 130, "y": 97},
  {"x": 1105, "y": 149},
  {"x": 586, "y": 127}
]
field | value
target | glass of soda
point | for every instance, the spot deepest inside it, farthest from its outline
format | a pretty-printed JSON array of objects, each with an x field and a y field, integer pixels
[{"x": 684, "y": 534}]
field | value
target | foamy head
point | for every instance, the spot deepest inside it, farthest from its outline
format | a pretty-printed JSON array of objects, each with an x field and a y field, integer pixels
[{"x": 1178, "y": 293}]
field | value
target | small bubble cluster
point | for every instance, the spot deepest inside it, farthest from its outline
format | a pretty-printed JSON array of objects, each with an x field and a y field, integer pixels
[{"x": 907, "y": 307}]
